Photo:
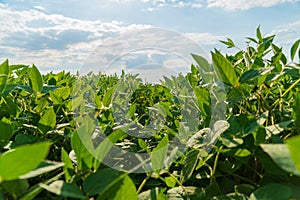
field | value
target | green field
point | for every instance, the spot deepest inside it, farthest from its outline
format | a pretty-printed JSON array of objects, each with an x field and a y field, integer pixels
[{"x": 256, "y": 156}]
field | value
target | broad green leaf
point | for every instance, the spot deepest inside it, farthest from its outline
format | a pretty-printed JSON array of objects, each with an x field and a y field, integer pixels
[
  {"x": 272, "y": 191},
  {"x": 22, "y": 139},
  {"x": 6, "y": 132},
  {"x": 143, "y": 144},
  {"x": 158, "y": 155},
  {"x": 296, "y": 110},
  {"x": 202, "y": 62},
  {"x": 170, "y": 181},
  {"x": 109, "y": 184},
  {"x": 277, "y": 128},
  {"x": 47, "y": 121},
  {"x": 294, "y": 49},
  {"x": 42, "y": 104},
  {"x": 16, "y": 187},
  {"x": 281, "y": 156},
  {"x": 254, "y": 73},
  {"x": 105, "y": 146},
  {"x": 225, "y": 69},
  {"x": 19, "y": 161},
  {"x": 122, "y": 189},
  {"x": 83, "y": 156},
  {"x": 244, "y": 188},
  {"x": 17, "y": 67},
  {"x": 108, "y": 96},
  {"x": 153, "y": 194},
  {"x": 230, "y": 141},
  {"x": 64, "y": 189},
  {"x": 97, "y": 182},
  {"x": 4, "y": 73},
  {"x": 44, "y": 167},
  {"x": 36, "y": 79},
  {"x": 242, "y": 153},
  {"x": 8, "y": 105},
  {"x": 205, "y": 68},
  {"x": 190, "y": 192},
  {"x": 62, "y": 92},
  {"x": 68, "y": 165},
  {"x": 294, "y": 148},
  {"x": 204, "y": 101},
  {"x": 189, "y": 164},
  {"x": 56, "y": 99}
]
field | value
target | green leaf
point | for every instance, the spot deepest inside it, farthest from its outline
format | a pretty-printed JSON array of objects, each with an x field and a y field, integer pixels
[
  {"x": 64, "y": 189},
  {"x": 296, "y": 110},
  {"x": 55, "y": 98},
  {"x": 202, "y": 62},
  {"x": 277, "y": 128},
  {"x": 189, "y": 164},
  {"x": 105, "y": 146},
  {"x": 252, "y": 39},
  {"x": 281, "y": 156},
  {"x": 294, "y": 49},
  {"x": 259, "y": 35},
  {"x": 93, "y": 186},
  {"x": 16, "y": 162},
  {"x": 16, "y": 187},
  {"x": 44, "y": 167},
  {"x": 36, "y": 79},
  {"x": 242, "y": 153},
  {"x": 294, "y": 148},
  {"x": 170, "y": 181},
  {"x": 158, "y": 154},
  {"x": 62, "y": 92},
  {"x": 83, "y": 156},
  {"x": 108, "y": 96},
  {"x": 204, "y": 68},
  {"x": 230, "y": 141},
  {"x": 272, "y": 191},
  {"x": 229, "y": 43},
  {"x": 225, "y": 69},
  {"x": 110, "y": 185},
  {"x": 68, "y": 165},
  {"x": 254, "y": 73},
  {"x": 122, "y": 189},
  {"x": 6, "y": 132},
  {"x": 47, "y": 121},
  {"x": 190, "y": 192},
  {"x": 153, "y": 194},
  {"x": 4, "y": 73}
]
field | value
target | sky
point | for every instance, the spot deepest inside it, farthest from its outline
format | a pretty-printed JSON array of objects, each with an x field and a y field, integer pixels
[{"x": 61, "y": 35}]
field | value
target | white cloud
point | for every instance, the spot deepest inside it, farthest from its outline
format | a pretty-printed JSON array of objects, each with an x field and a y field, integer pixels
[
  {"x": 205, "y": 38},
  {"x": 226, "y": 4},
  {"x": 287, "y": 34},
  {"x": 51, "y": 40},
  {"x": 39, "y": 8},
  {"x": 245, "y": 4}
]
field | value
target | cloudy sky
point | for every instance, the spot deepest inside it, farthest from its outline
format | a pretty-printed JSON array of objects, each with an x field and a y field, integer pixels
[{"x": 56, "y": 34}]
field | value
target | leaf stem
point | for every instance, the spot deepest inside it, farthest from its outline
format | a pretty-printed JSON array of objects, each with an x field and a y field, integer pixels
[
  {"x": 289, "y": 89},
  {"x": 142, "y": 184}
]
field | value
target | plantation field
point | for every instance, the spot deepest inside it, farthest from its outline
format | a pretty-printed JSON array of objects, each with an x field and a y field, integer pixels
[{"x": 237, "y": 118}]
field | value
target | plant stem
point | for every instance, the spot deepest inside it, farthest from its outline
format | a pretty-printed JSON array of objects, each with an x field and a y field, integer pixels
[
  {"x": 142, "y": 184},
  {"x": 289, "y": 89},
  {"x": 216, "y": 161}
]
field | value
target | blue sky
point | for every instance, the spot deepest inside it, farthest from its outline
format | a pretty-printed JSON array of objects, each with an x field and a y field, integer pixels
[{"x": 58, "y": 35}]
